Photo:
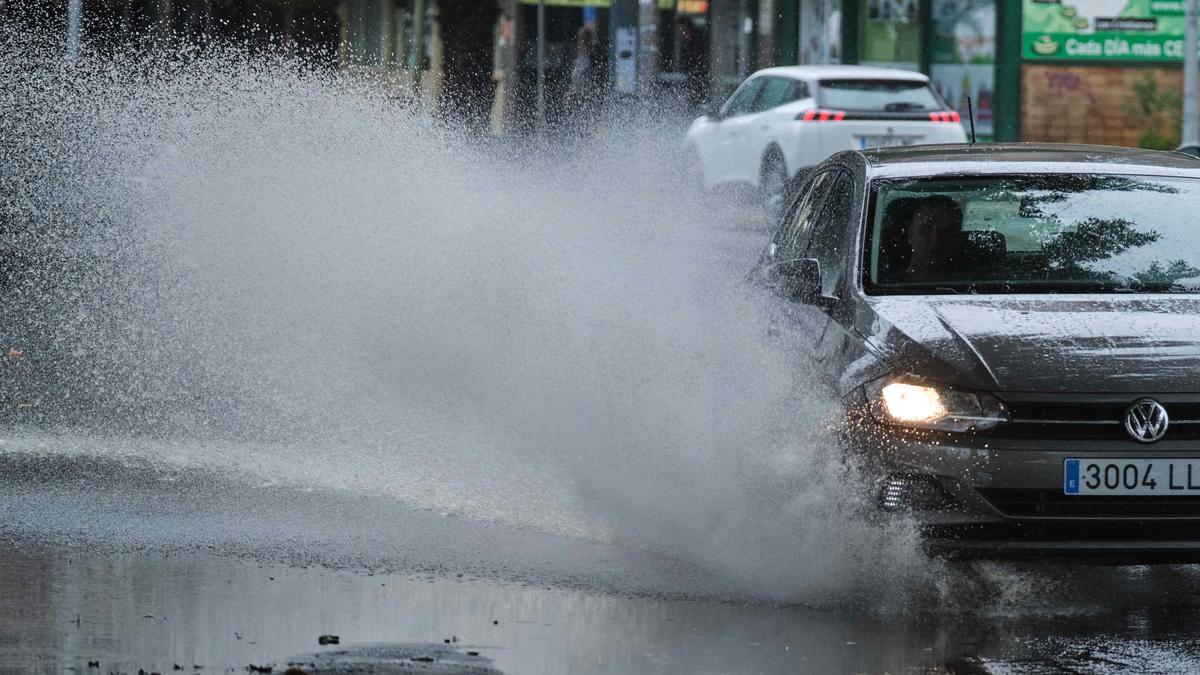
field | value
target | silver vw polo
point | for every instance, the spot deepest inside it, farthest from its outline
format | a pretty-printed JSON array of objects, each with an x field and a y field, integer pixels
[{"x": 1015, "y": 332}]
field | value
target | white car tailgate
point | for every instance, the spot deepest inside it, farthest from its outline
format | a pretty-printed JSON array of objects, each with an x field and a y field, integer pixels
[{"x": 852, "y": 134}]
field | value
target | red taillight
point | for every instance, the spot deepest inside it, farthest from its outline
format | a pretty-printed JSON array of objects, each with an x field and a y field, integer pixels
[
  {"x": 822, "y": 115},
  {"x": 944, "y": 116}
]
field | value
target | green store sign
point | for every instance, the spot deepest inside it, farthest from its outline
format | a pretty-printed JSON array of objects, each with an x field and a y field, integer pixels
[{"x": 1103, "y": 30}]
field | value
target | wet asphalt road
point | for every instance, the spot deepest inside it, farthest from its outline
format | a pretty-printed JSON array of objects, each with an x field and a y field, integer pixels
[
  {"x": 63, "y": 608},
  {"x": 138, "y": 568}
]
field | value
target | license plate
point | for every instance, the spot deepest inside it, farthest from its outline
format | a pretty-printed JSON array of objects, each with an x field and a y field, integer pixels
[
  {"x": 865, "y": 142},
  {"x": 1163, "y": 477}
]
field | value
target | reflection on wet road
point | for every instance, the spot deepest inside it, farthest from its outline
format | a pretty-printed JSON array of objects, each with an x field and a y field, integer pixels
[
  {"x": 142, "y": 568},
  {"x": 61, "y": 608}
]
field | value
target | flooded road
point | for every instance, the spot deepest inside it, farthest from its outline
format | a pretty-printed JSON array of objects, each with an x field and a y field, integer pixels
[
  {"x": 136, "y": 612},
  {"x": 64, "y": 607}
]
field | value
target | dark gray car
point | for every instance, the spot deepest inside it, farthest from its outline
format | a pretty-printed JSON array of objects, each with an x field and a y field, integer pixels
[{"x": 1015, "y": 330}]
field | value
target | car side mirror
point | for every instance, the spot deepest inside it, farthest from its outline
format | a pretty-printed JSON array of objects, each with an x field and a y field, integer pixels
[{"x": 798, "y": 280}]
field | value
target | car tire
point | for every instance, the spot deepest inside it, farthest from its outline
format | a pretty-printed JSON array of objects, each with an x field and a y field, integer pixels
[{"x": 773, "y": 182}]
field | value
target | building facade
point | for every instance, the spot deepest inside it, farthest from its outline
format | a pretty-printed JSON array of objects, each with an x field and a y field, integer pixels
[
  {"x": 1097, "y": 71},
  {"x": 1081, "y": 71}
]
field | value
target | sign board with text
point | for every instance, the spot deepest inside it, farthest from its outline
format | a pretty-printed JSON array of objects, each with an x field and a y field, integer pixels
[{"x": 1103, "y": 30}]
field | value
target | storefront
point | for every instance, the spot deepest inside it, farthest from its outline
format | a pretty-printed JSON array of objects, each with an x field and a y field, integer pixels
[
  {"x": 1100, "y": 71},
  {"x": 953, "y": 41},
  {"x": 1081, "y": 71}
]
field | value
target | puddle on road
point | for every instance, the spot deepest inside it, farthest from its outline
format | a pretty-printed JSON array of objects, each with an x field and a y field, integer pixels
[
  {"x": 133, "y": 612},
  {"x": 59, "y": 610}
]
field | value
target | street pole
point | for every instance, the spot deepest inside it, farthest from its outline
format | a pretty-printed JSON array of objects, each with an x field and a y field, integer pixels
[
  {"x": 541, "y": 66},
  {"x": 1191, "y": 124},
  {"x": 74, "y": 21},
  {"x": 416, "y": 55}
]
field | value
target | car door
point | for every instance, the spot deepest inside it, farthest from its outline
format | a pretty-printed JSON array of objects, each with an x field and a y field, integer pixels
[{"x": 729, "y": 136}]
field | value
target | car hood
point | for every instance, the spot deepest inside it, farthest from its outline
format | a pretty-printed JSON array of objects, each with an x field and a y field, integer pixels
[{"x": 1056, "y": 344}]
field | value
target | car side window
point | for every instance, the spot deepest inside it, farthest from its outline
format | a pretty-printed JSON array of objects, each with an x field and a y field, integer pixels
[
  {"x": 776, "y": 92},
  {"x": 799, "y": 90},
  {"x": 829, "y": 232},
  {"x": 793, "y": 237},
  {"x": 743, "y": 99}
]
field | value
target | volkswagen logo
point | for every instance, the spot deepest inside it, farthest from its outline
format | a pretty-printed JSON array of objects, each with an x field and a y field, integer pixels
[{"x": 1146, "y": 420}]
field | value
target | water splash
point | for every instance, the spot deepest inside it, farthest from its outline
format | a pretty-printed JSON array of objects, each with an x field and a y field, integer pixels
[{"x": 288, "y": 275}]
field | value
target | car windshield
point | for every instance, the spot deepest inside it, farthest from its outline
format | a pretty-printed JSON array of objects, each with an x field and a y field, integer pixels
[
  {"x": 878, "y": 95},
  {"x": 1067, "y": 233}
]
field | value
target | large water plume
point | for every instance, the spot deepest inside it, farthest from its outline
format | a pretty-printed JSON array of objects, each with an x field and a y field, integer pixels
[{"x": 292, "y": 276}]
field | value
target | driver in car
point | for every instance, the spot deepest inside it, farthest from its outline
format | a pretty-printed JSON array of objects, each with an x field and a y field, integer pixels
[{"x": 935, "y": 235}]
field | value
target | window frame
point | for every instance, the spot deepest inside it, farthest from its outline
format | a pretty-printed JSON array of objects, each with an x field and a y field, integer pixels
[
  {"x": 928, "y": 86},
  {"x": 846, "y": 254},
  {"x": 789, "y": 222},
  {"x": 796, "y": 90},
  {"x": 761, "y": 81},
  {"x": 864, "y": 239}
]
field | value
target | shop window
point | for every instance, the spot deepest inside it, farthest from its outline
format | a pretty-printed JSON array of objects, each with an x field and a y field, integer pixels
[
  {"x": 683, "y": 40},
  {"x": 891, "y": 33},
  {"x": 963, "y": 57},
  {"x": 820, "y": 31}
]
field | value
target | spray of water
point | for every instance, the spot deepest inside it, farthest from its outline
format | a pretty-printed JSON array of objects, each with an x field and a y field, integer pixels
[{"x": 287, "y": 275}]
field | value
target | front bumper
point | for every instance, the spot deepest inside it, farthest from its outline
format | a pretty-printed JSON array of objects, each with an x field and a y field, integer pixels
[{"x": 1005, "y": 496}]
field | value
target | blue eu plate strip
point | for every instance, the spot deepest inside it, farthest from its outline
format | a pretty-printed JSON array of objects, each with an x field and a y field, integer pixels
[{"x": 1071, "y": 477}]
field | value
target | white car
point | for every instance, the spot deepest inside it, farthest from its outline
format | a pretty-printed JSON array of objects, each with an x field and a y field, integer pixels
[{"x": 783, "y": 120}]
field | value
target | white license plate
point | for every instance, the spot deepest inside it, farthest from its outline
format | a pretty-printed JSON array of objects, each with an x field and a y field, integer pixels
[
  {"x": 1164, "y": 477},
  {"x": 865, "y": 142}
]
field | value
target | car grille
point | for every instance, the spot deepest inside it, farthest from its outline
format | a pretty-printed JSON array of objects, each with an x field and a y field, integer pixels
[
  {"x": 1053, "y": 503},
  {"x": 1096, "y": 419}
]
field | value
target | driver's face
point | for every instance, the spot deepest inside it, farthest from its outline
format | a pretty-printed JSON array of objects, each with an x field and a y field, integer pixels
[{"x": 934, "y": 235}]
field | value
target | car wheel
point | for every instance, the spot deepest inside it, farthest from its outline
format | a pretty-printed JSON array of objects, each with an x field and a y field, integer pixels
[{"x": 774, "y": 183}]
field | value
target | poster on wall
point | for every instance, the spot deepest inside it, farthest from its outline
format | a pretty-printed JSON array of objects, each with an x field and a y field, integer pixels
[{"x": 1109, "y": 30}]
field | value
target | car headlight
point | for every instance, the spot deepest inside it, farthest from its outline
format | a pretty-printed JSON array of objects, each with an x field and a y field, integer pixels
[{"x": 934, "y": 407}]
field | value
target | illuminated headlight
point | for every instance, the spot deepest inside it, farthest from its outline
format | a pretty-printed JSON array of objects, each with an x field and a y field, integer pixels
[{"x": 940, "y": 408}]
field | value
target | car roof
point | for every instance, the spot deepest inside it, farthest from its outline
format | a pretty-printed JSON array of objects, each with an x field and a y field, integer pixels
[
  {"x": 848, "y": 72},
  {"x": 1023, "y": 158}
]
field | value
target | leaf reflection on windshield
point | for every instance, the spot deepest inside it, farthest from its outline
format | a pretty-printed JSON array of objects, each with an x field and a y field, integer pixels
[{"x": 1057, "y": 233}]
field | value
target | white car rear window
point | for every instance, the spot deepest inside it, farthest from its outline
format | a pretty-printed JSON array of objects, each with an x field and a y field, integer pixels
[{"x": 879, "y": 96}]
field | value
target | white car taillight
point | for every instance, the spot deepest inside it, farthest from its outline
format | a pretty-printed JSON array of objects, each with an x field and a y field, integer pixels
[{"x": 817, "y": 115}]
